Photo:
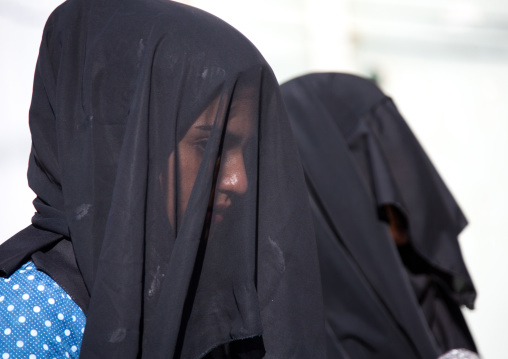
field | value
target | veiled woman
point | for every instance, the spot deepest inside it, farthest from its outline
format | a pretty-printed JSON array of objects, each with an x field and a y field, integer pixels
[
  {"x": 386, "y": 224},
  {"x": 171, "y": 205}
]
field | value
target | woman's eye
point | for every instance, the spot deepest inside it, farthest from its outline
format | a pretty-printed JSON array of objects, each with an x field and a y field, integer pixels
[{"x": 201, "y": 144}]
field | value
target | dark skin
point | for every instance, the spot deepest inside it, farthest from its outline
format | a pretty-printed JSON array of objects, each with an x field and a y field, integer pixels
[{"x": 398, "y": 228}]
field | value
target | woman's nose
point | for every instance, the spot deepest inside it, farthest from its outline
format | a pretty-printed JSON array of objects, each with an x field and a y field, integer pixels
[{"x": 232, "y": 175}]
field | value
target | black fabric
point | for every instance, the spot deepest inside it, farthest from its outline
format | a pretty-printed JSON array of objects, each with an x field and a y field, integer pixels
[
  {"x": 60, "y": 264},
  {"x": 18, "y": 249},
  {"x": 359, "y": 156},
  {"x": 162, "y": 153},
  {"x": 443, "y": 314}
]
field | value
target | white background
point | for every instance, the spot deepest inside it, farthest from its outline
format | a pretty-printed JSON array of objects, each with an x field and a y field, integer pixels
[{"x": 444, "y": 62}]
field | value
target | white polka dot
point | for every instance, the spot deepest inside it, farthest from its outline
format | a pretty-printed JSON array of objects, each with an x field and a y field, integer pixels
[
  {"x": 82, "y": 330},
  {"x": 29, "y": 267},
  {"x": 67, "y": 354},
  {"x": 67, "y": 332},
  {"x": 40, "y": 288},
  {"x": 58, "y": 339},
  {"x": 45, "y": 346},
  {"x": 20, "y": 343},
  {"x": 37, "y": 309},
  {"x": 7, "y": 331},
  {"x": 15, "y": 286},
  {"x": 10, "y": 308},
  {"x": 2, "y": 298},
  {"x": 68, "y": 297},
  {"x": 6, "y": 356},
  {"x": 73, "y": 318},
  {"x": 48, "y": 323},
  {"x": 22, "y": 271},
  {"x": 22, "y": 319},
  {"x": 60, "y": 316},
  {"x": 7, "y": 280},
  {"x": 33, "y": 332},
  {"x": 30, "y": 277},
  {"x": 51, "y": 301},
  {"x": 32, "y": 356},
  {"x": 74, "y": 348},
  {"x": 25, "y": 296}
]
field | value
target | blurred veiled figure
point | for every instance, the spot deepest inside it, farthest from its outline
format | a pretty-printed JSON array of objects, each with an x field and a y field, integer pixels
[
  {"x": 393, "y": 275},
  {"x": 171, "y": 204}
]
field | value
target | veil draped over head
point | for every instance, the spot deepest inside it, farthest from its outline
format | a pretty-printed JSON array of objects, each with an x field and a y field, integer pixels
[
  {"x": 359, "y": 157},
  {"x": 170, "y": 201}
]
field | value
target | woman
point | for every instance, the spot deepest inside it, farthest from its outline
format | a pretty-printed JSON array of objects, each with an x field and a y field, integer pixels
[
  {"x": 368, "y": 178},
  {"x": 170, "y": 200}
]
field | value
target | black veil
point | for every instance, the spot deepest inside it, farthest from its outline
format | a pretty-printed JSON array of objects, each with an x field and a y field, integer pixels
[
  {"x": 359, "y": 156},
  {"x": 170, "y": 199}
]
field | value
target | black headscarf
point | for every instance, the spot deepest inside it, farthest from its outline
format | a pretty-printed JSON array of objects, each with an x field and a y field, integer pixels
[
  {"x": 360, "y": 156},
  {"x": 170, "y": 199}
]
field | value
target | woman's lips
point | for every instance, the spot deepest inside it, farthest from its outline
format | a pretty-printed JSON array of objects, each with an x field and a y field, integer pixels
[
  {"x": 217, "y": 217},
  {"x": 218, "y": 212}
]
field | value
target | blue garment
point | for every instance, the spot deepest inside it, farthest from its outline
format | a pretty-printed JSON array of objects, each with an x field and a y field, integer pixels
[{"x": 38, "y": 319}]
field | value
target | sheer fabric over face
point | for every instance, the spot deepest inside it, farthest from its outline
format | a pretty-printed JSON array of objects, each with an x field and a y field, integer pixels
[
  {"x": 365, "y": 169},
  {"x": 168, "y": 187}
]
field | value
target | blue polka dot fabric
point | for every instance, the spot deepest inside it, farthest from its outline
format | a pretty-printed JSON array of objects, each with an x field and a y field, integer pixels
[{"x": 37, "y": 317}]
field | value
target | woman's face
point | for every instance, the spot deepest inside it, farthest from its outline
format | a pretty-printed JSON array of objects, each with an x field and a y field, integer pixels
[{"x": 231, "y": 178}]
